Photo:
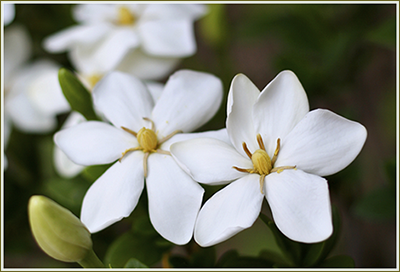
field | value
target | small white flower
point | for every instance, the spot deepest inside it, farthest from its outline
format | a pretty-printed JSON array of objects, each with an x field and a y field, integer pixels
[
  {"x": 280, "y": 150},
  {"x": 139, "y": 138},
  {"x": 33, "y": 96},
  {"x": 144, "y": 40}
]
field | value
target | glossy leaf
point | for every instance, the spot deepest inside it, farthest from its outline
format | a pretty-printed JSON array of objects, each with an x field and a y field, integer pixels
[{"x": 78, "y": 97}]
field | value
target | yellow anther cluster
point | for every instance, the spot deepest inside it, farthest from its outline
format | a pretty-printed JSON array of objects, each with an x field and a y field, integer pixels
[
  {"x": 261, "y": 162},
  {"x": 125, "y": 17},
  {"x": 148, "y": 143},
  {"x": 147, "y": 139}
]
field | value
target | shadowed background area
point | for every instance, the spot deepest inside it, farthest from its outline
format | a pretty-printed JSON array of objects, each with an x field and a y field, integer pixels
[{"x": 343, "y": 54}]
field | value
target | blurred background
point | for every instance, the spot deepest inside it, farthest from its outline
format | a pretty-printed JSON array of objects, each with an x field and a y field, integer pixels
[{"x": 343, "y": 54}]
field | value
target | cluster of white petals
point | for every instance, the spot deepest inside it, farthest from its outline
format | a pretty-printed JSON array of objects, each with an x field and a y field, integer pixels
[
  {"x": 278, "y": 144},
  {"x": 33, "y": 96},
  {"x": 146, "y": 40},
  {"x": 143, "y": 126}
]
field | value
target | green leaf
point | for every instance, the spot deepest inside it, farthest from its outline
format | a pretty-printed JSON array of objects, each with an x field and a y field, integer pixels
[
  {"x": 340, "y": 261},
  {"x": 290, "y": 248},
  {"x": 135, "y": 263},
  {"x": 379, "y": 204},
  {"x": 134, "y": 245},
  {"x": 78, "y": 97}
]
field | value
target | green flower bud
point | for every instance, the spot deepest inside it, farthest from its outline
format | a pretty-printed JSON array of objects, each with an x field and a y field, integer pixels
[{"x": 57, "y": 231}]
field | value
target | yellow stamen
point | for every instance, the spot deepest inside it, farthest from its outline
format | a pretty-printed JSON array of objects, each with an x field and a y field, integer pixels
[
  {"x": 260, "y": 142},
  {"x": 130, "y": 131},
  {"x": 125, "y": 17},
  {"x": 128, "y": 150},
  {"x": 246, "y": 150},
  {"x": 278, "y": 146},
  {"x": 146, "y": 156}
]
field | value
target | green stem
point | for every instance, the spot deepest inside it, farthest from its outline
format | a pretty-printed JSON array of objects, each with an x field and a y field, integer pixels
[{"x": 91, "y": 261}]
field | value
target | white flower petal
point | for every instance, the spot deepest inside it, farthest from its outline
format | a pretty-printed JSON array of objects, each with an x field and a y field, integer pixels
[
  {"x": 174, "y": 199},
  {"x": 173, "y": 11},
  {"x": 26, "y": 117},
  {"x": 94, "y": 142},
  {"x": 123, "y": 99},
  {"x": 63, "y": 165},
  {"x": 188, "y": 101},
  {"x": 155, "y": 89},
  {"x": 94, "y": 14},
  {"x": 106, "y": 53},
  {"x": 239, "y": 123},
  {"x": 280, "y": 106},
  {"x": 220, "y": 134},
  {"x": 44, "y": 89},
  {"x": 75, "y": 36},
  {"x": 300, "y": 205},
  {"x": 145, "y": 66},
  {"x": 323, "y": 143},
  {"x": 229, "y": 211},
  {"x": 115, "y": 194},
  {"x": 210, "y": 161},
  {"x": 169, "y": 38}
]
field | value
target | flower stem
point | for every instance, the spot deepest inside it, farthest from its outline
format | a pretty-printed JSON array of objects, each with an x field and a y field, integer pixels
[{"x": 91, "y": 261}]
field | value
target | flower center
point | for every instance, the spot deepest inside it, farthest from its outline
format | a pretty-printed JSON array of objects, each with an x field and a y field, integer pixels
[
  {"x": 262, "y": 163},
  {"x": 148, "y": 142},
  {"x": 147, "y": 139},
  {"x": 125, "y": 17},
  {"x": 93, "y": 79}
]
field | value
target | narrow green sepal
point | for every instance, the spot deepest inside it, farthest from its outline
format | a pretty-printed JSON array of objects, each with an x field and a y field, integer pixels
[{"x": 78, "y": 97}]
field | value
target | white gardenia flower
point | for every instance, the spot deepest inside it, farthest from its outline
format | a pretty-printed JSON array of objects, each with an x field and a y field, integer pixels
[
  {"x": 138, "y": 142},
  {"x": 280, "y": 150},
  {"x": 146, "y": 40},
  {"x": 33, "y": 96}
]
